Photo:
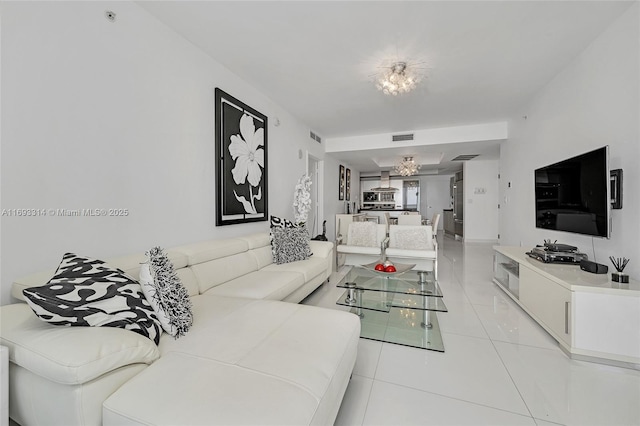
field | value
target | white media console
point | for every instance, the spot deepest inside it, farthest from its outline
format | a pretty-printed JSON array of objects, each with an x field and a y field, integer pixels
[{"x": 591, "y": 317}]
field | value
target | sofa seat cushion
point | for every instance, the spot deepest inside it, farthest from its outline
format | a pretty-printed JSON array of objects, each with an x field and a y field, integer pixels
[
  {"x": 70, "y": 355},
  {"x": 423, "y": 254},
  {"x": 310, "y": 268},
  {"x": 261, "y": 285},
  {"x": 207, "y": 392},
  {"x": 243, "y": 362}
]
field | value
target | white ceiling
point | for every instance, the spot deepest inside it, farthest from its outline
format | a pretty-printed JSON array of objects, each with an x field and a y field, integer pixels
[{"x": 315, "y": 59}]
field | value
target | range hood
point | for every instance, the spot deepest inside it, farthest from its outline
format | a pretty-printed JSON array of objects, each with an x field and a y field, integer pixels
[{"x": 384, "y": 184}]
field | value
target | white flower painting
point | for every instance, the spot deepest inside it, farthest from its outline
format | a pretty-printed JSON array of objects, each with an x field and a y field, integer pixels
[
  {"x": 241, "y": 161},
  {"x": 246, "y": 150}
]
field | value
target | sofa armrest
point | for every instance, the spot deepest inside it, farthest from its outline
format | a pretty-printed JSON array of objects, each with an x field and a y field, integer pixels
[{"x": 321, "y": 248}]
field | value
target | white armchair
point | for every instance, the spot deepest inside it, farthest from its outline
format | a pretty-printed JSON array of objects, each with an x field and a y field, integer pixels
[
  {"x": 413, "y": 244},
  {"x": 364, "y": 243},
  {"x": 434, "y": 223}
]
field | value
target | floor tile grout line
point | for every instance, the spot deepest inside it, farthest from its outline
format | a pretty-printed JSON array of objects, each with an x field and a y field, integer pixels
[
  {"x": 373, "y": 379},
  {"x": 451, "y": 397},
  {"x": 515, "y": 385}
]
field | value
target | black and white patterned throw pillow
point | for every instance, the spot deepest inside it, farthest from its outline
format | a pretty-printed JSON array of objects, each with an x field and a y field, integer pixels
[
  {"x": 282, "y": 223},
  {"x": 166, "y": 294},
  {"x": 290, "y": 244},
  {"x": 88, "y": 292}
]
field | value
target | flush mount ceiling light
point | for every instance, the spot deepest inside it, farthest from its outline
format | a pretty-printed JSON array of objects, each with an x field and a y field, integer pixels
[
  {"x": 407, "y": 167},
  {"x": 399, "y": 77}
]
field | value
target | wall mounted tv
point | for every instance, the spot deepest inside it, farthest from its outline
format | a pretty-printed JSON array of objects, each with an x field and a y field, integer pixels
[{"x": 573, "y": 195}]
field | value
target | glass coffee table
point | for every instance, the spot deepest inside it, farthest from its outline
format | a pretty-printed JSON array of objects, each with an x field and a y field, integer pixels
[{"x": 397, "y": 308}]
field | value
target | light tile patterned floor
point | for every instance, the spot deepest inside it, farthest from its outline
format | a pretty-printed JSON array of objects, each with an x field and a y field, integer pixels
[{"x": 499, "y": 367}]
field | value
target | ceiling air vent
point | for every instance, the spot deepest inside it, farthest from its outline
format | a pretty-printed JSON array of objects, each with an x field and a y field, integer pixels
[
  {"x": 315, "y": 137},
  {"x": 400, "y": 138},
  {"x": 465, "y": 157}
]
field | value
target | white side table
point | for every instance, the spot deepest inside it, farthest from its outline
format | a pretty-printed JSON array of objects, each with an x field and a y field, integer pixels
[{"x": 4, "y": 386}]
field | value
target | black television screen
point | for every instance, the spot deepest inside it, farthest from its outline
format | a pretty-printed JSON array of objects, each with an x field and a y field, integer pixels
[{"x": 573, "y": 195}]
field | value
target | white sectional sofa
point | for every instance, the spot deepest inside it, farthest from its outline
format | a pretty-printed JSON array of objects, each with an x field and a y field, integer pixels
[{"x": 249, "y": 358}]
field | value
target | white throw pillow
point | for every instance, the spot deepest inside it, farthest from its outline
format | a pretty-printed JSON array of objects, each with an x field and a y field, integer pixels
[
  {"x": 363, "y": 234},
  {"x": 413, "y": 239}
]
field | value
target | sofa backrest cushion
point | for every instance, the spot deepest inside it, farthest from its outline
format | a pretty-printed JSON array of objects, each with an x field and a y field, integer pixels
[
  {"x": 210, "y": 250},
  {"x": 215, "y": 272},
  {"x": 189, "y": 281},
  {"x": 255, "y": 241},
  {"x": 131, "y": 264},
  {"x": 263, "y": 256}
]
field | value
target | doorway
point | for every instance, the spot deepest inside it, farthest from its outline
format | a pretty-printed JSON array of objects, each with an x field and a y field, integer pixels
[{"x": 314, "y": 171}]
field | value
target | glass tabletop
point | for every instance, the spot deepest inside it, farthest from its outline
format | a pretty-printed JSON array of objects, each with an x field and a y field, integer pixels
[
  {"x": 407, "y": 283},
  {"x": 402, "y": 327},
  {"x": 384, "y": 301}
]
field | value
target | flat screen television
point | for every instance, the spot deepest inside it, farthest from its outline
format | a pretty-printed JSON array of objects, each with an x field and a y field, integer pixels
[{"x": 573, "y": 195}]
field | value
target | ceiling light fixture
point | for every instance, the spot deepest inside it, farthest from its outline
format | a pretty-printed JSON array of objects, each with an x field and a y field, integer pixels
[
  {"x": 399, "y": 77},
  {"x": 407, "y": 167}
]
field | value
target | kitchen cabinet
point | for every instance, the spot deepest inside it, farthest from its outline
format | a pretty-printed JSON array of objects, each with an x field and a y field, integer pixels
[{"x": 448, "y": 222}]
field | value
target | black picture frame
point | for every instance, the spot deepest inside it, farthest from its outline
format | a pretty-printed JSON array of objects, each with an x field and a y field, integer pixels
[
  {"x": 347, "y": 195},
  {"x": 341, "y": 185},
  {"x": 241, "y": 144}
]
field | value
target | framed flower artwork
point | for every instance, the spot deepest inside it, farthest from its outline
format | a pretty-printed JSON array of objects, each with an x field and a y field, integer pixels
[
  {"x": 241, "y": 162},
  {"x": 348, "y": 185}
]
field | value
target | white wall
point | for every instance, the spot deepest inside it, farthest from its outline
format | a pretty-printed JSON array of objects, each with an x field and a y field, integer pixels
[
  {"x": 434, "y": 196},
  {"x": 117, "y": 115},
  {"x": 592, "y": 103},
  {"x": 481, "y": 200}
]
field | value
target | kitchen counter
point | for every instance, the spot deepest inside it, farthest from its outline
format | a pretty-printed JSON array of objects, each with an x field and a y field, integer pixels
[{"x": 386, "y": 210}]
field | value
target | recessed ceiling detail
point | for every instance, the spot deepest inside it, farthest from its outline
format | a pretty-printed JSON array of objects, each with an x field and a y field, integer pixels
[
  {"x": 424, "y": 159},
  {"x": 464, "y": 157}
]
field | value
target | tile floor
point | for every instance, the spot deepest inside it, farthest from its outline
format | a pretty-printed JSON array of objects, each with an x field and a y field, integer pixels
[{"x": 499, "y": 367}]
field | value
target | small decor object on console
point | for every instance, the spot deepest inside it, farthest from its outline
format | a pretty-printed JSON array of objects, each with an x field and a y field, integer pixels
[
  {"x": 619, "y": 263},
  {"x": 166, "y": 294}
]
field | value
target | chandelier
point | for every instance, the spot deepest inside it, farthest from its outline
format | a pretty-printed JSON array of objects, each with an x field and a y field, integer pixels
[
  {"x": 399, "y": 77},
  {"x": 407, "y": 167}
]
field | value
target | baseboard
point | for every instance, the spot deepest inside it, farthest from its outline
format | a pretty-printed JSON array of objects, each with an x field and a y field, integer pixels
[{"x": 474, "y": 241}]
